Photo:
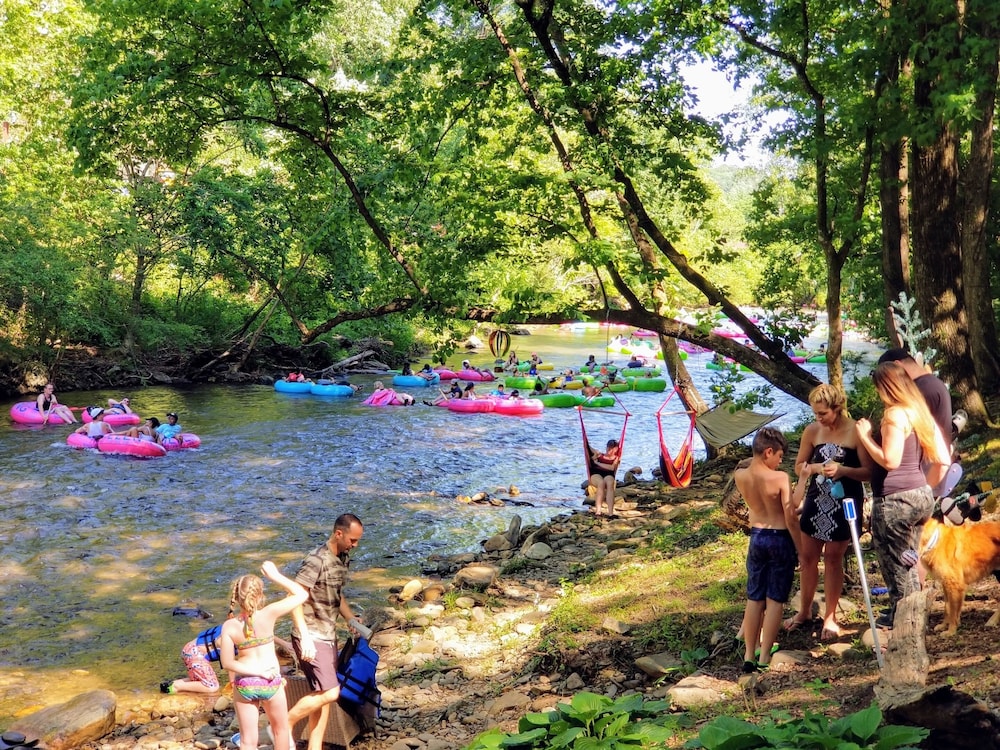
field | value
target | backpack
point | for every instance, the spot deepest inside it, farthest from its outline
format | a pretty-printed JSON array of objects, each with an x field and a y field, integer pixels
[{"x": 356, "y": 666}]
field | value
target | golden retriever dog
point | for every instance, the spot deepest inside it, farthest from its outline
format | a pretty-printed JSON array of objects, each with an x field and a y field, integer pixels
[{"x": 958, "y": 556}]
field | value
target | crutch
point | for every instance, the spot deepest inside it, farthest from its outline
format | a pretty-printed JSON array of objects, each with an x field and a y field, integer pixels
[{"x": 851, "y": 513}]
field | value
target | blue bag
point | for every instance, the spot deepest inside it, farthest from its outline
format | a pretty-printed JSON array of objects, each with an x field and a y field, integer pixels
[{"x": 356, "y": 665}]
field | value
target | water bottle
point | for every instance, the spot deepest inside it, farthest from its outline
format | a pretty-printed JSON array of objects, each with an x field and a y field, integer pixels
[{"x": 364, "y": 631}]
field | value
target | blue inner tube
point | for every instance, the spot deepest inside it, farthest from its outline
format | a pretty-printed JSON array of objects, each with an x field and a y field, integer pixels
[
  {"x": 331, "y": 389},
  {"x": 415, "y": 381},
  {"x": 283, "y": 386}
]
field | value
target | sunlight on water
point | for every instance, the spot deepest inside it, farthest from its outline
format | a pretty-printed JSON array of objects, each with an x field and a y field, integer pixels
[{"x": 99, "y": 549}]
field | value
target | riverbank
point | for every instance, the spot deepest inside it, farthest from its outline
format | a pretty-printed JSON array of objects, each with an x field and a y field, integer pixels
[{"x": 647, "y": 602}]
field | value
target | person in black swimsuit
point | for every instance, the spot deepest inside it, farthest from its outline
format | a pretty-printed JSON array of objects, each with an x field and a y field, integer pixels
[
  {"x": 831, "y": 465},
  {"x": 603, "y": 467},
  {"x": 49, "y": 406}
]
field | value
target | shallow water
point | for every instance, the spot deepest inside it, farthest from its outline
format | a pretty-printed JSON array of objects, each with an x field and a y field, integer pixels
[{"x": 99, "y": 549}]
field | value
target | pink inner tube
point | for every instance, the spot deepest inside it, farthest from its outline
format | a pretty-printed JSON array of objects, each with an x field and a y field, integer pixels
[
  {"x": 76, "y": 440},
  {"x": 183, "y": 441},
  {"x": 470, "y": 405},
  {"x": 114, "y": 418},
  {"x": 130, "y": 446},
  {"x": 474, "y": 376},
  {"x": 385, "y": 397},
  {"x": 446, "y": 374},
  {"x": 518, "y": 407},
  {"x": 26, "y": 412}
]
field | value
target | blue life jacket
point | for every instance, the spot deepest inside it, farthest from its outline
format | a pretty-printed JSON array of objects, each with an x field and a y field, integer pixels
[{"x": 356, "y": 665}]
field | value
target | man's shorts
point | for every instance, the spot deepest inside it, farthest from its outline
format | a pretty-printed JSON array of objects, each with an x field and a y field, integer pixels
[
  {"x": 321, "y": 672},
  {"x": 771, "y": 561}
]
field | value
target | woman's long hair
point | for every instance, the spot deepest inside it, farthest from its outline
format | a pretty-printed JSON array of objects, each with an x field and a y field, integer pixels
[
  {"x": 896, "y": 388},
  {"x": 832, "y": 396}
]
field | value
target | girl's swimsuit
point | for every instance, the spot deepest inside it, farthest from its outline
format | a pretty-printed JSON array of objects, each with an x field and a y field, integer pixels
[{"x": 254, "y": 688}]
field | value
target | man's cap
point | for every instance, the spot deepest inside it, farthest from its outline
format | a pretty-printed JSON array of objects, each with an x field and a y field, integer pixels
[
  {"x": 95, "y": 412},
  {"x": 172, "y": 414},
  {"x": 895, "y": 355}
]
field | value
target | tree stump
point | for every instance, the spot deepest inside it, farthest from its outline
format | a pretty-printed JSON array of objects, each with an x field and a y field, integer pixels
[
  {"x": 956, "y": 719},
  {"x": 737, "y": 514}
]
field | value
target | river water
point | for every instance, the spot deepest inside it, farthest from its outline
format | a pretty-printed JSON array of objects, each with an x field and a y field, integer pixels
[{"x": 99, "y": 549}]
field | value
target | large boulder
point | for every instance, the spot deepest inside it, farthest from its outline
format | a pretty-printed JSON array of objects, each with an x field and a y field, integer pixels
[{"x": 85, "y": 718}]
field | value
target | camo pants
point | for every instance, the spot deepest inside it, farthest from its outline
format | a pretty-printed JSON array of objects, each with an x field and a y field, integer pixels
[{"x": 897, "y": 522}]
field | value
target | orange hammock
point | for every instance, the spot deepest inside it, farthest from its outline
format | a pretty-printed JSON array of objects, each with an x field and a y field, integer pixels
[
  {"x": 588, "y": 452},
  {"x": 678, "y": 469}
]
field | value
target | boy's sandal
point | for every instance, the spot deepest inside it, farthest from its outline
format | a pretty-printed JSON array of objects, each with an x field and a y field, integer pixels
[{"x": 775, "y": 647}]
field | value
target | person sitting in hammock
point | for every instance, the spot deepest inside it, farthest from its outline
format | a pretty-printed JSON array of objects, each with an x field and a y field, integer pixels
[{"x": 603, "y": 467}]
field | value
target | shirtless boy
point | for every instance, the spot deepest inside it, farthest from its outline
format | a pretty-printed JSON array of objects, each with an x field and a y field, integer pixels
[{"x": 773, "y": 551}]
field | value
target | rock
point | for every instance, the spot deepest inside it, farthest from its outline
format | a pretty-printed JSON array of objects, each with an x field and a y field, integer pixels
[
  {"x": 432, "y": 592},
  {"x": 514, "y": 491},
  {"x": 85, "y": 718},
  {"x": 786, "y": 659},
  {"x": 538, "y": 551},
  {"x": 410, "y": 590},
  {"x": 473, "y": 342},
  {"x": 224, "y": 703},
  {"x": 507, "y": 701},
  {"x": 465, "y": 602},
  {"x": 575, "y": 682},
  {"x": 613, "y": 625},
  {"x": 478, "y": 576},
  {"x": 514, "y": 530},
  {"x": 701, "y": 690},
  {"x": 658, "y": 665},
  {"x": 497, "y": 543}
]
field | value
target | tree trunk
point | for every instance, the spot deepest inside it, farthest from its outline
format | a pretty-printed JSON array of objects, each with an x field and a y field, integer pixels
[
  {"x": 937, "y": 250},
  {"x": 975, "y": 190},
  {"x": 894, "y": 205}
]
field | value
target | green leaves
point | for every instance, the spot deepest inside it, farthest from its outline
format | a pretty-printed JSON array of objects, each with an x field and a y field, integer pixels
[
  {"x": 858, "y": 731},
  {"x": 589, "y": 722}
]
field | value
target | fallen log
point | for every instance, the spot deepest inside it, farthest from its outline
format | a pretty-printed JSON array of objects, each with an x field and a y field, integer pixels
[{"x": 347, "y": 362}]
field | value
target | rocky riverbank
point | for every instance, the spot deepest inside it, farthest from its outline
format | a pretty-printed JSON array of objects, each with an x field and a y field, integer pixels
[
  {"x": 469, "y": 645},
  {"x": 459, "y": 646}
]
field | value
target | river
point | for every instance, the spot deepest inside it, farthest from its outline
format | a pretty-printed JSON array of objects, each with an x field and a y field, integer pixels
[{"x": 99, "y": 549}]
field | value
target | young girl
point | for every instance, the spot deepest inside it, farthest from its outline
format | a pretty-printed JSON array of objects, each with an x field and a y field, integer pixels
[{"x": 247, "y": 651}]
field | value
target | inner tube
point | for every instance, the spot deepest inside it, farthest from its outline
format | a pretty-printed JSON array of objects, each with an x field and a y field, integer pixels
[
  {"x": 26, "y": 412},
  {"x": 331, "y": 389},
  {"x": 518, "y": 407},
  {"x": 526, "y": 365},
  {"x": 416, "y": 381},
  {"x": 385, "y": 397},
  {"x": 517, "y": 381},
  {"x": 183, "y": 441},
  {"x": 76, "y": 440},
  {"x": 130, "y": 446},
  {"x": 556, "y": 400},
  {"x": 113, "y": 418},
  {"x": 470, "y": 405},
  {"x": 595, "y": 402},
  {"x": 650, "y": 385},
  {"x": 475, "y": 376},
  {"x": 294, "y": 386}
]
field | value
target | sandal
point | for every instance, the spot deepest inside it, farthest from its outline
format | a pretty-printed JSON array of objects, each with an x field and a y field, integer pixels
[{"x": 775, "y": 648}]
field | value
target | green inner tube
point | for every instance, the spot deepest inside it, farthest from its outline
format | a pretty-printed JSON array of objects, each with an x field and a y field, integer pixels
[
  {"x": 596, "y": 402},
  {"x": 655, "y": 385},
  {"x": 514, "y": 381},
  {"x": 557, "y": 400},
  {"x": 617, "y": 387},
  {"x": 816, "y": 359}
]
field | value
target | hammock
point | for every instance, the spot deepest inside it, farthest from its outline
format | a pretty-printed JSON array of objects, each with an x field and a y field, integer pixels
[
  {"x": 721, "y": 426},
  {"x": 678, "y": 469},
  {"x": 588, "y": 452}
]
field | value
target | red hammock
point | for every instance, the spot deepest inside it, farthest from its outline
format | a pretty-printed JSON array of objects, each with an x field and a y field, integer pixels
[
  {"x": 676, "y": 470},
  {"x": 587, "y": 450}
]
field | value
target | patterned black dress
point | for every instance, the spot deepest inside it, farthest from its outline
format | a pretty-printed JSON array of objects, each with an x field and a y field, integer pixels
[{"x": 822, "y": 514}]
